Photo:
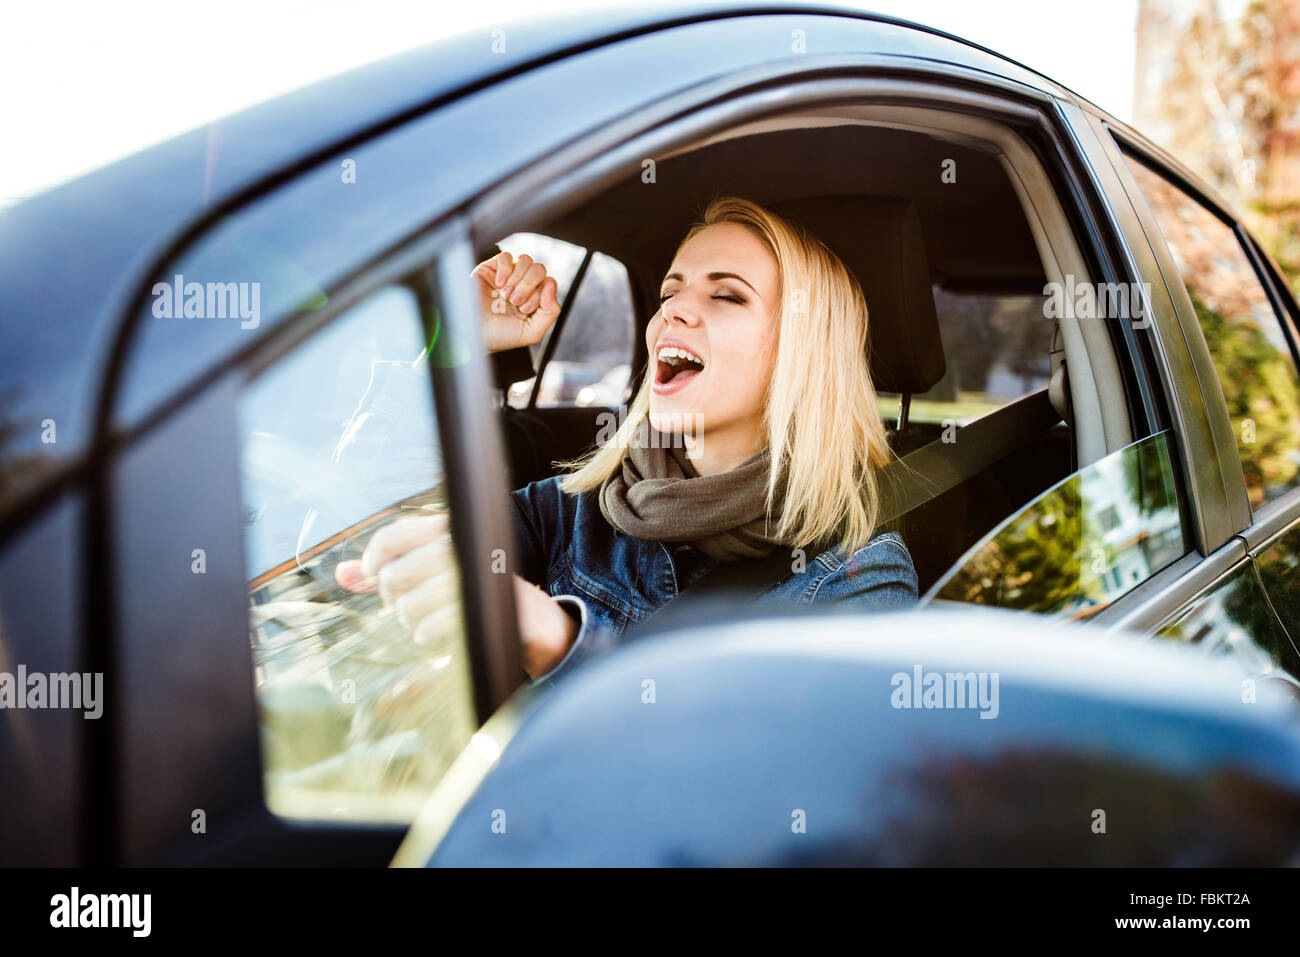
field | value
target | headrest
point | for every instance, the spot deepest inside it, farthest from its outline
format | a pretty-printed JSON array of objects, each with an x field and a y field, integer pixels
[{"x": 879, "y": 240}]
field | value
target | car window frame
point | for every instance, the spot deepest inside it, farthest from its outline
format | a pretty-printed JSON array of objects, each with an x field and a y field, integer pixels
[
  {"x": 534, "y": 194},
  {"x": 436, "y": 262},
  {"x": 1219, "y": 507}
]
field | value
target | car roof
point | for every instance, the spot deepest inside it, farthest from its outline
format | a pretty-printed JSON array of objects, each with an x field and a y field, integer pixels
[{"x": 73, "y": 258}]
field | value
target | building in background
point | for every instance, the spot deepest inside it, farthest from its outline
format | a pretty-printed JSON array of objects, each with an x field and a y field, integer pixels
[{"x": 1217, "y": 83}]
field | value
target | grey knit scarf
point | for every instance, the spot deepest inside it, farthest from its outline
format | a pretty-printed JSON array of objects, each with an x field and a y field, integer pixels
[{"x": 657, "y": 495}]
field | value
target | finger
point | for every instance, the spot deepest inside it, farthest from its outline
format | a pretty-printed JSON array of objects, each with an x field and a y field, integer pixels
[
  {"x": 522, "y": 265},
  {"x": 543, "y": 298},
  {"x": 399, "y": 537},
  {"x": 350, "y": 576},
  {"x": 418, "y": 565},
  {"x": 425, "y": 598},
  {"x": 550, "y": 296},
  {"x": 505, "y": 264},
  {"x": 542, "y": 307},
  {"x": 493, "y": 270},
  {"x": 530, "y": 281}
]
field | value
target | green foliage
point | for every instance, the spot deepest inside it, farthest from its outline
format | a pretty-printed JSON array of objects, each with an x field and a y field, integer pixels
[{"x": 1260, "y": 387}]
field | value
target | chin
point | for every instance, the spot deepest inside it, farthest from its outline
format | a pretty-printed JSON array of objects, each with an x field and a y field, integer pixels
[
  {"x": 683, "y": 429},
  {"x": 667, "y": 421}
]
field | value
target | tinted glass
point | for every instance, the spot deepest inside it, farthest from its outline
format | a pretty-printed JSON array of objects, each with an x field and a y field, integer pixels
[
  {"x": 1278, "y": 564},
  {"x": 1251, "y": 355},
  {"x": 1082, "y": 543},
  {"x": 1233, "y": 618},
  {"x": 340, "y": 439},
  {"x": 42, "y": 749}
]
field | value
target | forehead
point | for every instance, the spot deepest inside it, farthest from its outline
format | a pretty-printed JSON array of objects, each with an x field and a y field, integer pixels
[{"x": 724, "y": 247}]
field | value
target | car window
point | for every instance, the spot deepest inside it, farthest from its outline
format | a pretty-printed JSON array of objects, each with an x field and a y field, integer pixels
[
  {"x": 338, "y": 439},
  {"x": 996, "y": 350},
  {"x": 1081, "y": 544},
  {"x": 592, "y": 361},
  {"x": 1233, "y": 618},
  {"x": 1278, "y": 564},
  {"x": 1251, "y": 355}
]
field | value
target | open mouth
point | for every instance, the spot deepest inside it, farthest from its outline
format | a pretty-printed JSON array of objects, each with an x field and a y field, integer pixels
[{"x": 677, "y": 366}]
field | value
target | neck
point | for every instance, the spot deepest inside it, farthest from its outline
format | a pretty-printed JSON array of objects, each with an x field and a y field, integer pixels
[{"x": 719, "y": 452}]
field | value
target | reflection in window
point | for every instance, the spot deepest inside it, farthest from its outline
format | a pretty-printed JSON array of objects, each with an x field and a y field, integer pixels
[
  {"x": 1082, "y": 543},
  {"x": 1278, "y": 565},
  {"x": 339, "y": 439},
  {"x": 1250, "y": 352},
  {"x": 1234, "y": 618}
]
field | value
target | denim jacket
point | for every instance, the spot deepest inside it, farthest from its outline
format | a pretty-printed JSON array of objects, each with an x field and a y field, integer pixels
[{"x": 609, "y": 580}]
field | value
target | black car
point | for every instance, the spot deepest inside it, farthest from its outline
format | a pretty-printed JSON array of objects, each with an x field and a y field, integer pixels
[{"x": 230, "y": 358}]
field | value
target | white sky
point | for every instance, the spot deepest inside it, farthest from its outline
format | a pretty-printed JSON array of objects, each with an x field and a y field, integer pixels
[{"x": 88, "y": 81}]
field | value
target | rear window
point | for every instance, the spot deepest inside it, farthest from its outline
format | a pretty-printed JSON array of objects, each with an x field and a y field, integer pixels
[
  {"x": 1245, "y": 337},
  {"x": 591, "y": 363},
  {"x": 996, "y": 349}
]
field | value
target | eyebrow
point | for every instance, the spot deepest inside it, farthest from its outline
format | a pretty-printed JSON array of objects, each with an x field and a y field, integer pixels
[{"x": 713, "y": 275}]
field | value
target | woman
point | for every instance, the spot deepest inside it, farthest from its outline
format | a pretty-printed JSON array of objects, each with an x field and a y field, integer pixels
[{"x": 758, "y": 358}]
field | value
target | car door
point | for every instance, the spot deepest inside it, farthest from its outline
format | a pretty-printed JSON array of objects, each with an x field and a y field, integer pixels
[{"x": 266, "y": 714}]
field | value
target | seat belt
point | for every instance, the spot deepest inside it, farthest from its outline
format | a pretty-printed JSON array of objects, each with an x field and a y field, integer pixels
[
  {"x": 904, "y": 484},
  {"x": 941, "y": 466}
]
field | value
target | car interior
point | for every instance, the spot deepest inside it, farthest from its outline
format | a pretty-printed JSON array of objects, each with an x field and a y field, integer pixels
[{"x": 952, "y": 228}]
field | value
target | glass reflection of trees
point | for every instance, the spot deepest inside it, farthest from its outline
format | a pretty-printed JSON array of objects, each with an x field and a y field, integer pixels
[
  {"x": 1251, "y": 356},
  {"x": 1084, "y": 542},
  {"x": 1234, "y": 618},
  {"x": 1277, "y": 565},
  {"x": 1263, "y": 398}
]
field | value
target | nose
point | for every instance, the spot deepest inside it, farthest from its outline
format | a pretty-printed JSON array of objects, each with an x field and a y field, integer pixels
[{"x": 677, "y": 309}]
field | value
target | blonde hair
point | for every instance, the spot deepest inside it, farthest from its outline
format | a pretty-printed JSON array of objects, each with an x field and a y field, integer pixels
[{"x": 820, "y": 414}]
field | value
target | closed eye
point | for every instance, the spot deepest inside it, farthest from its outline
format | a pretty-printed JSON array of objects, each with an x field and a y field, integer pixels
[{"x": 729, "y": 298}]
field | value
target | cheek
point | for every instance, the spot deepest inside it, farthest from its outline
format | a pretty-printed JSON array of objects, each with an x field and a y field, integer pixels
[
  {"x": 744, "y": 370},
  {"x": 760, "y": 357}
]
